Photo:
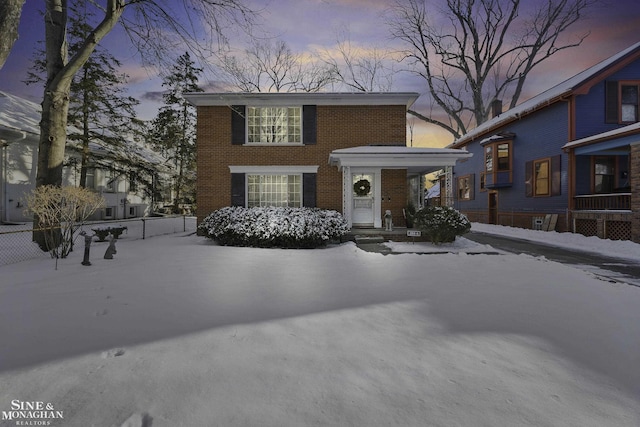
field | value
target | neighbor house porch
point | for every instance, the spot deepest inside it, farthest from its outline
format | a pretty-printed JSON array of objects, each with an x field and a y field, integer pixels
[{"x": 605, "y": 170}]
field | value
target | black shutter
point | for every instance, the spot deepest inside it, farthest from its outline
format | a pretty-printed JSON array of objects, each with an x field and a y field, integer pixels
[
  {"x": 309, "y": 127},
  {"x": 611, "y": 102},
  {"x": 238, "y": 114},
  {"x": 556, "y": 176},
  {"x": 528, "y": 179},
  {"x": 237, "y": 189},
  {"x": 472, "y": 186},
  {"x": 309, "y": 190}
]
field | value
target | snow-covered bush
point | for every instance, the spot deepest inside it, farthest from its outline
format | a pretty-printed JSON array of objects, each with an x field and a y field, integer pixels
[
  {"x": 273, "y": 227},
  {"x": 441, "y": 223}
]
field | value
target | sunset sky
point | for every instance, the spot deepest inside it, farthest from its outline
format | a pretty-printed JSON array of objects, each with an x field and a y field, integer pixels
[{"x": 311, "y": 25}]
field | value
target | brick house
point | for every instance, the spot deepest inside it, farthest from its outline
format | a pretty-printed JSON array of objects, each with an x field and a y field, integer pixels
[{"x": 341, "y": 151}]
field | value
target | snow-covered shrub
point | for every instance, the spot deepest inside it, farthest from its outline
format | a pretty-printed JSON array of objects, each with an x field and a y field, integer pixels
[
  {"x": 441, "y": 223},
  {"x": 273, "y": 227}
]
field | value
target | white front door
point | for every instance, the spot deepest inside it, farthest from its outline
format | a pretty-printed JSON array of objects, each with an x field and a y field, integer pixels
[{"x": 363, "y": 199}]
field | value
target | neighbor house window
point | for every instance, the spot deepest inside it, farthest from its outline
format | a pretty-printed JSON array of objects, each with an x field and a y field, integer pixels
[
  {"x": 465, "y": 187},
  {"x": 464, "y": 191},
  {"x": 274, "y": 125},
  {"x": 622, "y": 101},
  {"x": 629, "y": 103},
  {"x": 91, "y": 179},
  {"x": 542, "y": 177},
  {"x": 482, "y": 181},
  {"x": 604, "y": 174},
  {"x": 274, "y": 190},
  {"x": 133, "y": 182},
  {"x": 497, "y": 164}
]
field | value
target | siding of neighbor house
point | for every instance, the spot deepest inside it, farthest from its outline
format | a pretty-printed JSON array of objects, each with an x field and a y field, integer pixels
[
  {"x": 537, "y": 136},
  {"x": 336, "y": 127}
]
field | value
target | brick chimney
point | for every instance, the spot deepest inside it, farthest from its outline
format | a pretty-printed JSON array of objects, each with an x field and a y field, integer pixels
[{"x": 496, "y": 108}]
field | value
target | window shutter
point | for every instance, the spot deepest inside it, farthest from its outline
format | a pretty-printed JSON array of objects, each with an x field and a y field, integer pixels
[
  {"x": 309, "y": 127},
  {"x": 237, "y": 189},
  {"x": 528, "y": 179},
  {"x": 611, "y": 102},
  {"x": 238, "y": 114},
  {"x": 556, "y": 176},
  {"x": 472, "y": 186},
  {"x": 309, "y": 190}
]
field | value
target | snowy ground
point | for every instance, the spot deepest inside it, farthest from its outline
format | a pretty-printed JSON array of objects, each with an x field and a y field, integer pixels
[{"x": 176, "y": 331}]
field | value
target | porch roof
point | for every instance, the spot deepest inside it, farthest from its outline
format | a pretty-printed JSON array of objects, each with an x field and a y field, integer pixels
[
  {"x": 417, "y": 160},
  {"x": 606, "y": 141}
]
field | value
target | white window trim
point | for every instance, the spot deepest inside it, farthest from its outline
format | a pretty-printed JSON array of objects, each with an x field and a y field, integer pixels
[{"x": 273, "y": 170}]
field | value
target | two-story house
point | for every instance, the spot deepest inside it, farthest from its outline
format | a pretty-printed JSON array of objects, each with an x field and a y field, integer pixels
[
  {"x": 132, "y": 179},
  {"x": 340, "y": 151},
  {"x": 571, "y": 152}
]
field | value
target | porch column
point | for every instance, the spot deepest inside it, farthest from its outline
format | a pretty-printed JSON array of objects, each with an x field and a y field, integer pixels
[
  {"x": 346, "y": 194},
  {"x": 634, "y": 174},
  {"x": 448, "y": 179}
]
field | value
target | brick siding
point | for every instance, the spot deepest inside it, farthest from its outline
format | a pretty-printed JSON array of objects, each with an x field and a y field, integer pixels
[{"x": 337, "y": 127}]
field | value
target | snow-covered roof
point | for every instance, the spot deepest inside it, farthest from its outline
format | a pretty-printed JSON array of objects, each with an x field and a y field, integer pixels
[
  {"x": 415, "y": 159},
  {"x": 19, "y": 116},
  {"x": 612, "y": 134},
  {"x": 434, "y": 191},
  {"x": 302, "y": 98},
  {"x": 547, "y": 97}
]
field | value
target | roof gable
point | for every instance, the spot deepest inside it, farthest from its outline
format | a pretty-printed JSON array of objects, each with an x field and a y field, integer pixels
[{"x": 576, "y": 85}]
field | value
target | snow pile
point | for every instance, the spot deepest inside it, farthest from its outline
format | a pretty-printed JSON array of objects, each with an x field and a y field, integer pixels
[
  {"x": 274, "y": 226},
  {"x": 459, "y": 246},
  {"x": 624, "y": 249}
]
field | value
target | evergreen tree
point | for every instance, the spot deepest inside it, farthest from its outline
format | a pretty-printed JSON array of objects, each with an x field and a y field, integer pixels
[
  {"x": 174, "y": 129},
  {"x": 98, "y": 104}
]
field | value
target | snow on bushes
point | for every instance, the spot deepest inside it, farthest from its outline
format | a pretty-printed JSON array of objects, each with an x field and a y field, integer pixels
[
  {"x": 273, "y": 227},
  {"x": 441, "y": 223}
]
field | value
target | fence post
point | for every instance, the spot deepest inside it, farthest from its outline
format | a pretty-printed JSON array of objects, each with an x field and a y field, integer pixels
[
  {"x": 143, "y": 228},
  {"x": 184, "y": 223}
]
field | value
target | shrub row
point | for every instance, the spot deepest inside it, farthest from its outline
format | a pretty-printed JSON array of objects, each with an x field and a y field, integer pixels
[{"x": 273, "y": 227}]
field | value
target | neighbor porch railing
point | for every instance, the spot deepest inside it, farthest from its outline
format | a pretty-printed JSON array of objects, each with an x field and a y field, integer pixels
[{"x": 598, "y": 202}]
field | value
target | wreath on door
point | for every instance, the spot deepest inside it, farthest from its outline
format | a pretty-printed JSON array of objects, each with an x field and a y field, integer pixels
[{"x": 362, "y": 187}]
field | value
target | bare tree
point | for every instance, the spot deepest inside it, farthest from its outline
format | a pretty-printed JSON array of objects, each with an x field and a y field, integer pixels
[
  {"x": 271, "y": 66},
  {"x": 359, "y": 68},
  {"x": 473, "y": 52},
  {"x": 10, "y": 11},
  {"x": 154, "y": 26}
]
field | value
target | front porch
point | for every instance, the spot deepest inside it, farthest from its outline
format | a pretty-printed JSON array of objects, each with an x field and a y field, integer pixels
[
  {"x": 605, "y": 184},
  {"x": 375, "y": 180}
]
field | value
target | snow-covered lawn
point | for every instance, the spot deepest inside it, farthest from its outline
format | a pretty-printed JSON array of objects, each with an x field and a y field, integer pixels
[{"x": 176, "y": 331}]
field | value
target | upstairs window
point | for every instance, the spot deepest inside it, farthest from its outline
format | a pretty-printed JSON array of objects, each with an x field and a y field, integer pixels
[
  {"x": 498, "y": 164},
  {"x": 274, "y": 125},
  {"x": 628, "y": 103},
  {"x": 622, "y": 101}
]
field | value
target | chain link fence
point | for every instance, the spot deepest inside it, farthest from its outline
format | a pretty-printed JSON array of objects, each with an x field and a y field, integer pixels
[{"x": 16, "y": 243}]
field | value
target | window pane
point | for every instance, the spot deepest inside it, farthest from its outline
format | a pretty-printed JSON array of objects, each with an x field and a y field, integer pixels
[
  {"x": 503, "y": 157},
  {"x": 542, "y": 178},
  {"x": 488, "y": 159},
  {"x": 629, "y": 113},
  {"x": 274, "y": 190},
  {"x": 274, "y": 124}
]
